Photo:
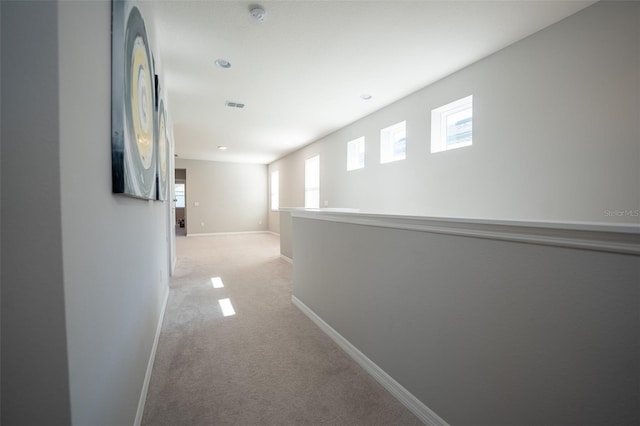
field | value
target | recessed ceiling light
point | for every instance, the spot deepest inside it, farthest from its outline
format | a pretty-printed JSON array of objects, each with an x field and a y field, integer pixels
[
  {"x": 222, "y": 147},
  {"x": 223, "y": 63},
  {"x": 365, "y": 96}
]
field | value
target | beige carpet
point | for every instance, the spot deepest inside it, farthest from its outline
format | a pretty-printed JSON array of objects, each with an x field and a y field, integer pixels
[{"x": 266, "y": 365}]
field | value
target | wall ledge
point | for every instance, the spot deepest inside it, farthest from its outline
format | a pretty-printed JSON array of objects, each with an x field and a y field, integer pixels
[{"x": 623, "y": 239}]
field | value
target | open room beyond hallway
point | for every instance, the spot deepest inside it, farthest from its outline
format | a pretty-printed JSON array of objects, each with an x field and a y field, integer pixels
[{"x": 234, "y": 350}]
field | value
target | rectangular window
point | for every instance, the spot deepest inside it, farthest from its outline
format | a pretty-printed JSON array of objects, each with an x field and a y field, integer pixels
[
  {"x": 179, "y": 191},
  {"x": 393, "y": 143},
  {"x": 312, "y": 182},
  {"x": 275, "y": 190},
  {"x": 452, "y": 125},
  {"x": 355, "y": 154}
]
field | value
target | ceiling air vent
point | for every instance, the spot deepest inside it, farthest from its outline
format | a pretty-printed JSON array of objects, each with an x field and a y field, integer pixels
[{"x": 234, "y": 104}]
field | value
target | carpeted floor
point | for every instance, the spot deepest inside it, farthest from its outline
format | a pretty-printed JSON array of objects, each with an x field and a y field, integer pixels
[{"x": 266, "y": 365}]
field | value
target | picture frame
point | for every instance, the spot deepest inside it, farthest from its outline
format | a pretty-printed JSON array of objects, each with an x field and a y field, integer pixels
[
  {"x": 163, "y": 145},
  {"x": 133, "y": 97}
]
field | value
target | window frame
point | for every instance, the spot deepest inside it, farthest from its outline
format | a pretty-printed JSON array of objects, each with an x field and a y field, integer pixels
[
  {"x": 356, "y": 148},
  {"x": 439, "y": 124},
  {"x": 180, "y": 195},
  {"x": 312, "y": 183},
  {"x": 275, "y": 190},
  {"x": 388, "y": 141}
]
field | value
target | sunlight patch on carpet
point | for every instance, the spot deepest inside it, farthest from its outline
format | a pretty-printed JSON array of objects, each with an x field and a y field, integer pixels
[
  {"x": 216, "y": 282},
  {"x": 227, "y": 307}
]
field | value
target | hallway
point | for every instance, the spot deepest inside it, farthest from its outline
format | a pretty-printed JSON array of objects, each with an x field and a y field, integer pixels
[{"x": 264, "y": 363}]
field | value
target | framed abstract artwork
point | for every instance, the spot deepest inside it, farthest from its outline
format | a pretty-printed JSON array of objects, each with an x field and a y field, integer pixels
[
  {"x": 133, "y": 120},
  {"x": 163, "y": 150}
]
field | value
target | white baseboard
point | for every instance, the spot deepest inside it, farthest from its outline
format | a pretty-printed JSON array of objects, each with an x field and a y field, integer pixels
[
  {"x": 424, "y": 413},
  {"x": 152, "y": 357},
  {"x": 288, "y": 259},
  {"x": 214, "y": 234}
]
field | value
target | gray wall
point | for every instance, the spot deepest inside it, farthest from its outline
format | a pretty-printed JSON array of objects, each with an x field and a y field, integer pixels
[
  {"x": 285, "y": 227},
  {"x": 84, "y": 272},
  {"x": 0, "y": 211},
  {"x": 555, "y": 134},
  {"x": 231, "y": 197},
  {"x": 35, "y": 387},
  {"x": 115, "y": 248},
  {"x": 482, "y": 331}
]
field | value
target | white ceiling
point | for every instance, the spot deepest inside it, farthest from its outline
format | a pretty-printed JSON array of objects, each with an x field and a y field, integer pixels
[{"x": 301, "y": 71}]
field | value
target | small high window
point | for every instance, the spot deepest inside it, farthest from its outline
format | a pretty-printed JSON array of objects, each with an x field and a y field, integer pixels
[
  {"x": 275, "y": 190},
  {"x": 452, "y": 125},
  {"x": 312, "y": 183},
  {"x": 393, "y": 143},
  {"x": 355, "y": 154}
]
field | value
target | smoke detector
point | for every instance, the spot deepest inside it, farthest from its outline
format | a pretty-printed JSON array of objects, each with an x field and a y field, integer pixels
[{"x": 257, "y": 12}]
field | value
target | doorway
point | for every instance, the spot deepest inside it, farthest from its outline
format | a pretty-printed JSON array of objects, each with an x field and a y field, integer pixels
[{"x": 180, "y": 187}]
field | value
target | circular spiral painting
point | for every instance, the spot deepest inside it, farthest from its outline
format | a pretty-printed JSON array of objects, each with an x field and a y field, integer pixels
[
  {"x": 163, "y": 142},
  {"x": 139, "y": 101}
]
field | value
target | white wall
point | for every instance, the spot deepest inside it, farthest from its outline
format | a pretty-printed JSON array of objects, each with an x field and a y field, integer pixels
[
  {"x": 87, "y": 274},
  {"x": 231, "y": 197},
  {"x": 556, "y": 134}
]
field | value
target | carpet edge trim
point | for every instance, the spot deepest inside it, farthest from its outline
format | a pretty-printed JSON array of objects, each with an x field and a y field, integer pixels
[
  {"x": 424, "y": 413},
  {"x": 152, "y": 358}
]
